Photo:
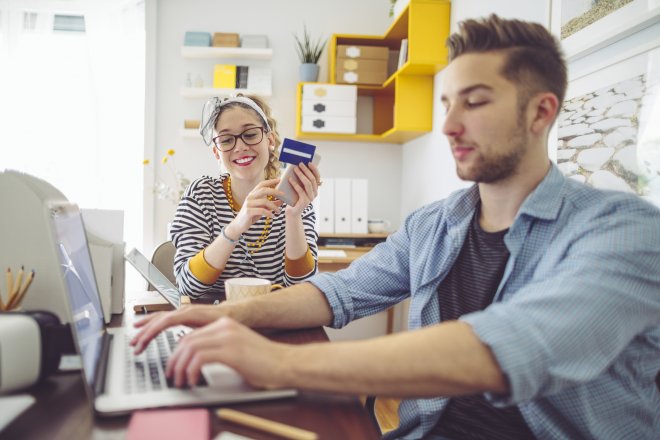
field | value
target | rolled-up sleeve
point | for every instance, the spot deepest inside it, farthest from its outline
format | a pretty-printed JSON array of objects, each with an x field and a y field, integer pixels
[{"x": 372, "y": 283}]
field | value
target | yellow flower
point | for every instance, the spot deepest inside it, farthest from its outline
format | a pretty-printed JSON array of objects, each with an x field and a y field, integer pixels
[
  {"x": 164, "y": 159},
  {"x": 171, "y": 152},
  {"x": 145, "y": 162}
]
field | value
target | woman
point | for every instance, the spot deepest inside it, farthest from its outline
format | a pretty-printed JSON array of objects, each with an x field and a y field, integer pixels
[{"x": 233, "y": 226}]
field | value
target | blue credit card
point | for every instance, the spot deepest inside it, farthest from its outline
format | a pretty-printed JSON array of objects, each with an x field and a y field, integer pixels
[{"x": 296, "y": 152}]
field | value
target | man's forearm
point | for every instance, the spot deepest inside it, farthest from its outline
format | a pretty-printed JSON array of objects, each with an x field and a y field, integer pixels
[
  {"x": 299, "y": 306},
  {"x": 443, "y": 360}
]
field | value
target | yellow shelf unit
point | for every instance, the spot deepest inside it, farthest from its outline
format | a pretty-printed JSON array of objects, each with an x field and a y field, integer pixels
[{"x": 403, "y": 104}]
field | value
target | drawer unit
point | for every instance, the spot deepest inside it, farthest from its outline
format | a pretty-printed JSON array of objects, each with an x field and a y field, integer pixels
[{"x": 329, "y": 108}]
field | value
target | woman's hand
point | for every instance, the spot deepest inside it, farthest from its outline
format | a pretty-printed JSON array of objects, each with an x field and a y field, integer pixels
[
  {"x": 191, "y": 315},
  {"x": 306, "y": 185},
  {"x": 259, "y": 360},
  {"x": 255, "y": 206}
]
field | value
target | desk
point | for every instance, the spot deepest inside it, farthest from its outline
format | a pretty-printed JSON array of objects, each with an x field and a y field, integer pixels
[
  {"x": 63, "y": 412},
  {"x": 333, "y": 264}
]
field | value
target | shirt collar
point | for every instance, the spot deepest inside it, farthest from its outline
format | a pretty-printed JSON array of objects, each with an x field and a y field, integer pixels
[{"x": 543, "y": 202}]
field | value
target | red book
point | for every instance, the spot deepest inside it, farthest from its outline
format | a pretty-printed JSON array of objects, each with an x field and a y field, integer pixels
[{"x": 170, "y": 424}]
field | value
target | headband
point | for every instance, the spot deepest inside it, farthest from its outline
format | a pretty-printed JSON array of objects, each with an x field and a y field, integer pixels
[{"x": 212, "y": 110}]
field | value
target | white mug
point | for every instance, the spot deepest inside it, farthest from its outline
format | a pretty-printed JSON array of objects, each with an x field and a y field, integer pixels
[
  {"x": 378, "y": 226},
  {"x": 241, "y": 288}
]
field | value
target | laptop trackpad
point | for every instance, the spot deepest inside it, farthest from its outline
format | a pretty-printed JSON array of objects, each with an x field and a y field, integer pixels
[{"x": 219, "y": 375}]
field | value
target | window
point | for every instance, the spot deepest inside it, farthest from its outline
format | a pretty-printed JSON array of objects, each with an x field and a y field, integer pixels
[{"x": 72, "y": 107}]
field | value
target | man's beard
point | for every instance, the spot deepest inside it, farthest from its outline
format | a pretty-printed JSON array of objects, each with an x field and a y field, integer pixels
[{"x": 498, "y": 166}]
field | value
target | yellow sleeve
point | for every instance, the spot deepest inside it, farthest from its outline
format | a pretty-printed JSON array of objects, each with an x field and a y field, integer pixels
[
  {"x": 301, "y": 266},
  {"x": 202, "y": 270}
]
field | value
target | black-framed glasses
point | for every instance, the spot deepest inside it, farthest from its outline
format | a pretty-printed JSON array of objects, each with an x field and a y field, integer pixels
[{"x": 226, "y": 142}]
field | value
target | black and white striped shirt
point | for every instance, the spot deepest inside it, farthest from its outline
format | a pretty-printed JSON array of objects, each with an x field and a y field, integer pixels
[{"x": 203, "y": 211}]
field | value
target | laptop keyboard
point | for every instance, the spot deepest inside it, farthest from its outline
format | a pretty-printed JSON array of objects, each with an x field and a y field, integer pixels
[{"x": 146, "y": 372}]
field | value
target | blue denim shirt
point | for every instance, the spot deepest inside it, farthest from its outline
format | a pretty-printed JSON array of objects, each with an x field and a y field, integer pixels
[{"x": 575, "y": 323}]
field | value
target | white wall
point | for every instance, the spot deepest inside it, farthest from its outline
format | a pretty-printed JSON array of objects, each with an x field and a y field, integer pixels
[
  {"x": 279, "y": 20},
  {"x": 428, "y": 171}
]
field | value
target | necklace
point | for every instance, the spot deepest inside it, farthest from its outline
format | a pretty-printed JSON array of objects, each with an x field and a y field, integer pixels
[{"x": 264, "y": 232}]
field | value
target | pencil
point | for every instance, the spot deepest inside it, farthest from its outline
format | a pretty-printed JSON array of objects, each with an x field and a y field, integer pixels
[
  {"x": 17, "y": 283},
  {"x": 266, "y": 425},
  {"x": 10, "y": 283},
  {"x": 2, "y": 303},
  {"x": 19, "y": 298}
]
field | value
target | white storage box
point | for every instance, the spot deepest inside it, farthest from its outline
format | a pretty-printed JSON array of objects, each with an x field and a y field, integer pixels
[
  {"x": 329, "y": 124},
  {"x": 330, "y": 92},
  {"x": 322, "y": 107}
]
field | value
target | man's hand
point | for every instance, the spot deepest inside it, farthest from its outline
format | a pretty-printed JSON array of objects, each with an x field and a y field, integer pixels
[
  {"x": 259, "y": 360},
  {"x": 192, "y": 316}
]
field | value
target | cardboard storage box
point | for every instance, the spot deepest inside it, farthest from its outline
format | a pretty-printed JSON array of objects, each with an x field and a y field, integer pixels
[
  {"x": 225, "y": 40},
  {"x": 359, "y": 71},
  {"x": 362, "y": 52}
]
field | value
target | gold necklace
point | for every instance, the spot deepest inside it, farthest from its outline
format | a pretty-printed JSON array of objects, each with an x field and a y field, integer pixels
[{"x": 264, "y": 232}]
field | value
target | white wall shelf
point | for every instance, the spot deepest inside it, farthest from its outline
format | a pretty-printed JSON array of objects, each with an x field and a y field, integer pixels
[
  {"x": 226, "y": 52},
  {"x": 190, "y": 133},
  {"x": 207, "y": 92}
]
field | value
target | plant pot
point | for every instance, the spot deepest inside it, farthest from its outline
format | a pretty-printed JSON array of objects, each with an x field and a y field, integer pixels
[{"x": 309, "y": 72}]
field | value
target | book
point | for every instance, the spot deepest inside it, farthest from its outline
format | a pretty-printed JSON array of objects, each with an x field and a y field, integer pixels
[
  {"x": 259, "y": 80},
  {"x": 242, "y": 77},
  {"x": 166, "y": 424},
  {"x": 224, "y": 76},
  {"x": 403, "y": 52}
]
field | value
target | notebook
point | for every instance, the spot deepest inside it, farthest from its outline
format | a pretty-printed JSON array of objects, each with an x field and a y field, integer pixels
[
  {"x": 118, "y": 382},
  {"x": 155, "y": 277}
]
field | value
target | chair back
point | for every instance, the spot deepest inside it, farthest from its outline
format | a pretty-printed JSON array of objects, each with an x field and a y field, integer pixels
[{"x": 163, "y": 259}]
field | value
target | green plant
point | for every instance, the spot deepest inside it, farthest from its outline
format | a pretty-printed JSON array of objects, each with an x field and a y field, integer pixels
[
  {"x": 308, "y": 51},
  {"x": 392, "y": 2}
]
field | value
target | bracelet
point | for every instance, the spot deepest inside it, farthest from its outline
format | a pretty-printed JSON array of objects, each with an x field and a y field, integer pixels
[{"x": 222, "y": 232}]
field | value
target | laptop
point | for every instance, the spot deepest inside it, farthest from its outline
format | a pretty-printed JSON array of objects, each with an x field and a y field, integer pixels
[
  {"x": 156, "y": 278},
  {"x": 117, "y": 381}
]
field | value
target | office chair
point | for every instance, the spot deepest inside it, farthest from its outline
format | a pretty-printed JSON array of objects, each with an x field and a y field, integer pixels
[{"x": 163, "y": 259}]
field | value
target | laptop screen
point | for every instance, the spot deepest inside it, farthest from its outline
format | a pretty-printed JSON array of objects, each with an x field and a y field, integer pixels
[
  {"x": 155, "y": 277},
  {"x": 82, "y": 291}
]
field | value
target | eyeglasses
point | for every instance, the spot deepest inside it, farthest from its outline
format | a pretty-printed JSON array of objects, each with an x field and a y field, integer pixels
[{"x": 227, "y": 142}]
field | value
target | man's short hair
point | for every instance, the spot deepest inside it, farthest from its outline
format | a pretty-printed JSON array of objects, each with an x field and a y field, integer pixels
[{"x": 534, "y": 59}]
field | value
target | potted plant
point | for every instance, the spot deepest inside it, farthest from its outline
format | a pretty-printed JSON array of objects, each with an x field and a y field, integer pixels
[{"x": 309, "y": 53}]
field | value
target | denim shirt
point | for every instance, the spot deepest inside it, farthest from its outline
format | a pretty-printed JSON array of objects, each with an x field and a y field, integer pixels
[{"x": 575, "y": 323}]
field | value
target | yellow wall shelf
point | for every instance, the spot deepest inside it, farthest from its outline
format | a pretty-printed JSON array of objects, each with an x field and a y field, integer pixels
[{"x": 403, "y": 104}]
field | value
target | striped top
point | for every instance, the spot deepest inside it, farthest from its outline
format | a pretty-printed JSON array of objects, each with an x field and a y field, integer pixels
[{"x": 202, "y": 213}]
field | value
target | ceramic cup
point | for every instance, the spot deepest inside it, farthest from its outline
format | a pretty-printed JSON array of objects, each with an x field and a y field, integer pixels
[
  {"x": 241, "y": 288},
  {"x": 378, "y": 226}
]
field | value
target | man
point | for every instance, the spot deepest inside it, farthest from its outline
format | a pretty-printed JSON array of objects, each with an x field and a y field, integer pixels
[{"x": 535, "y": 300}]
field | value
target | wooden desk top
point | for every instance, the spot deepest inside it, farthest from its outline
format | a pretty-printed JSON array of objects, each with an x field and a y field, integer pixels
[{"x": 63, "y": 411}]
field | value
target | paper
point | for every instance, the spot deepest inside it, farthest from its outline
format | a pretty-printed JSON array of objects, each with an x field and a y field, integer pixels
[
  {"x": 226, "y": 435},
  {"x": 332, "y": 253},
  {"x": 12, "y": 406}
]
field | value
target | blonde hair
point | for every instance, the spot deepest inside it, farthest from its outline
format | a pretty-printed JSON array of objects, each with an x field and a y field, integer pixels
[{"x": 272, "y": 169}]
